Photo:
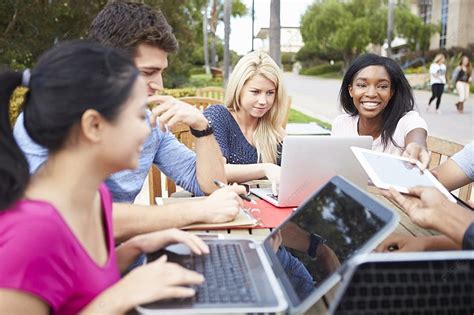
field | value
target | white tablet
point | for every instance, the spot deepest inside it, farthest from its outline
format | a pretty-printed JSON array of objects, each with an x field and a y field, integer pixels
[{"x": 387, "y": 170}]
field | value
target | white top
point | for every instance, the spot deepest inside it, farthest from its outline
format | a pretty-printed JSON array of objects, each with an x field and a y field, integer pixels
[
  {"x": 465, "y": 160},
  {"x": 346, "y": 125},
  {"x": 437, "y": 73}
]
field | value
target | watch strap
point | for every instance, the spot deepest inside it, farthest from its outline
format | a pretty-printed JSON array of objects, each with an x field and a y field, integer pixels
[{"x": 202, "y": 133}]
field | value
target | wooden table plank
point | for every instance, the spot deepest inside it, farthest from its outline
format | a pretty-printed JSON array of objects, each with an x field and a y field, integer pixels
[{"x": 405, "y": 220}]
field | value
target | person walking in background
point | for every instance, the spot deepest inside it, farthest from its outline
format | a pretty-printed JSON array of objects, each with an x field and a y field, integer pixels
[
  {"x": 462, "y": 77},
  {"x": 437, "y": 80}
]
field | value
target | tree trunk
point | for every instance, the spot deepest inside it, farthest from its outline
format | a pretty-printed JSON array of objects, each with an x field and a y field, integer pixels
[
  {"x": 227, "y": 12},
  {"x": 275, "y": 47},
  {"x": 214, "y": 21},
  {"x": 205, "y": 38}
]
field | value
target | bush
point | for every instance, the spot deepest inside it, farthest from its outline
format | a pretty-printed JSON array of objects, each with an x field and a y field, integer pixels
[
  {"x": 177, "y": 93},
  {"x": 197, "y": 70},
  {"x": 416, "y": 70},
  {"x": 471, "y": 88},
  {"x": 16, "y": 103},
  {"x": 287, "y": 67},
  {"x": 322, "y": 69},
  {"x": 202, "y": 80}
]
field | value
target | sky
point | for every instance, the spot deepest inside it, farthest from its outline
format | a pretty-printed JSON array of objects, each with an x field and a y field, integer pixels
[{"x": 241, "y": 28}]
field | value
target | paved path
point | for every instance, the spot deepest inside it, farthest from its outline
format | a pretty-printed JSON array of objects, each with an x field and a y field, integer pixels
[{"x": 318, "y": 98}]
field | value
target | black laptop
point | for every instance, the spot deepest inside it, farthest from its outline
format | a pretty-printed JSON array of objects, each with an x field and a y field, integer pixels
[{"x": 408, "y": 283}]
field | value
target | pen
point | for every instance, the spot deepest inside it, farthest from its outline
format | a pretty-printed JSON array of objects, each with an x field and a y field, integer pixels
[{"x": 244, "y": 197}]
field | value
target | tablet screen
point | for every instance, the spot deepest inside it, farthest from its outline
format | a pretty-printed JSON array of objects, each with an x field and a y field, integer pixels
[{"x": 395, "y": 172}]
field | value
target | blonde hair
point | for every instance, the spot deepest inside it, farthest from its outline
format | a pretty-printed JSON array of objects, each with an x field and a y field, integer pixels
[
  {"x": 266, "y": 137},
  {"x": 438, "y": 58}
]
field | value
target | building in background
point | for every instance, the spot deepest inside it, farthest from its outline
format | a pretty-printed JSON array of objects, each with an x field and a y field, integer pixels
[
  {"x": 291, "y": 40},
  {"x": 455, "y": 18}
]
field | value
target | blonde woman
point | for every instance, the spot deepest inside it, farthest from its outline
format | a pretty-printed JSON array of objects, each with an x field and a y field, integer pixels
[
  {"x": 437, "y": 80},
  {"x": 249, "y": 127},
  {"x": 250, "y": 133}
]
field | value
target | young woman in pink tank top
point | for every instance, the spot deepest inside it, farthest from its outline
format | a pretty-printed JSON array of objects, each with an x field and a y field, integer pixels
[{"x": 86, "y": 104}]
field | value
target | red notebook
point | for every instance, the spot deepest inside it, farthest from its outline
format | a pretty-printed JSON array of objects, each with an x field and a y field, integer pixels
[{"x": 267, "y": 214}]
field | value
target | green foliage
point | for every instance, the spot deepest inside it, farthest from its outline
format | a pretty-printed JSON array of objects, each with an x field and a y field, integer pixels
[
  {"x": 298, "y": 117},
  {"x": 322, "y": 69},
  {"x": 471, "y": 88},
  {"x": 202, "y": 80},
  {"x": 197, "y": 70},
  {"x": 416, "y": 70},
  {"x": 177, "y": 93},
  {"x": 287, "y": 57},
  {"x": 16, "y": 103},
  {"x": 412, "y": 28},
  {"x": 337, "y": 30},
  {"x": 333, "y": 28},
  {"x": 28, "y": 28},
  {"x": 186, "y": 19}
]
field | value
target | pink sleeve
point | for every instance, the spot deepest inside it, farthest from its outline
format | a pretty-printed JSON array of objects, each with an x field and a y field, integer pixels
[{"x": 33, "y": 259}]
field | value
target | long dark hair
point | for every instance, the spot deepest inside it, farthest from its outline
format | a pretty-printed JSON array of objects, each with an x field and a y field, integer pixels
[
  {"x": 400, "y": 103},
  {"x": 67, "y": 80},
  {"x": 469, "y": 66}
]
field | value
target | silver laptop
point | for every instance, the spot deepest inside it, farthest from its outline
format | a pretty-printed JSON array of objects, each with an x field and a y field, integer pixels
[
  {"x": 334, "y": 224},
  {"x": 408, "y": 283},
  {"x": 308, "y": 162}
]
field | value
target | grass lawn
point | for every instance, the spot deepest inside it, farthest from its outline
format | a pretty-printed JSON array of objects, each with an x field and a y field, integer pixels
[
  {"x": 330, "y": 75},
  {"x": 298, "y": 117},
  {"x": 202, "y": 80}
]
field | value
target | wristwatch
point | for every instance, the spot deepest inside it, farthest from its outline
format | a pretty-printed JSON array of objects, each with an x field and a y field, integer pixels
[
  {"x": 202, "y": 133},
  {"x": 314, "y": 241}
]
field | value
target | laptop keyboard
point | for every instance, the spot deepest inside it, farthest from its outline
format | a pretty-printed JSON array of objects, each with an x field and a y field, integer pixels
[
  {"x": 430, "y": 287},
  {"x": 227, "y": 276}
]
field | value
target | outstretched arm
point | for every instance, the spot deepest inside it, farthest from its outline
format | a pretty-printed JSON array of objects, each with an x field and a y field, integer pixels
[
  {"x": 416, "y": 147},
  {"x": 221, "y": 206}
]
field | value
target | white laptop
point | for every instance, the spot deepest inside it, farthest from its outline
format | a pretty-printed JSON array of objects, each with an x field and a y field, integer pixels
[
  {"x": 308, "y": 162},
  {"x": 245, "y": 277}
]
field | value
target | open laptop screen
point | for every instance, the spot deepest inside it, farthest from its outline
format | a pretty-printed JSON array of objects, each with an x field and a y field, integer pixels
[{"x": 337, "y": 222}]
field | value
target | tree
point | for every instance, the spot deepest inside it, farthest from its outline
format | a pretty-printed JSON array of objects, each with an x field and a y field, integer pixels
[
  {"x": 217, "y": 15},
  {"x": 227, "y": 9},
  {"x": 205, "y": 21},
  {"x": 186, "y": 19},
  {"x": 275, "y": 31},
  {"x": 28, "y": 28},
  {"x": 413, "y": 29},
  {"x": 334, "y": 28}
]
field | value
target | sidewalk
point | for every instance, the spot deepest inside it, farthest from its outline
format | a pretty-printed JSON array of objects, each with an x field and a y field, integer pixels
[{"x": 318, "y": 98}]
